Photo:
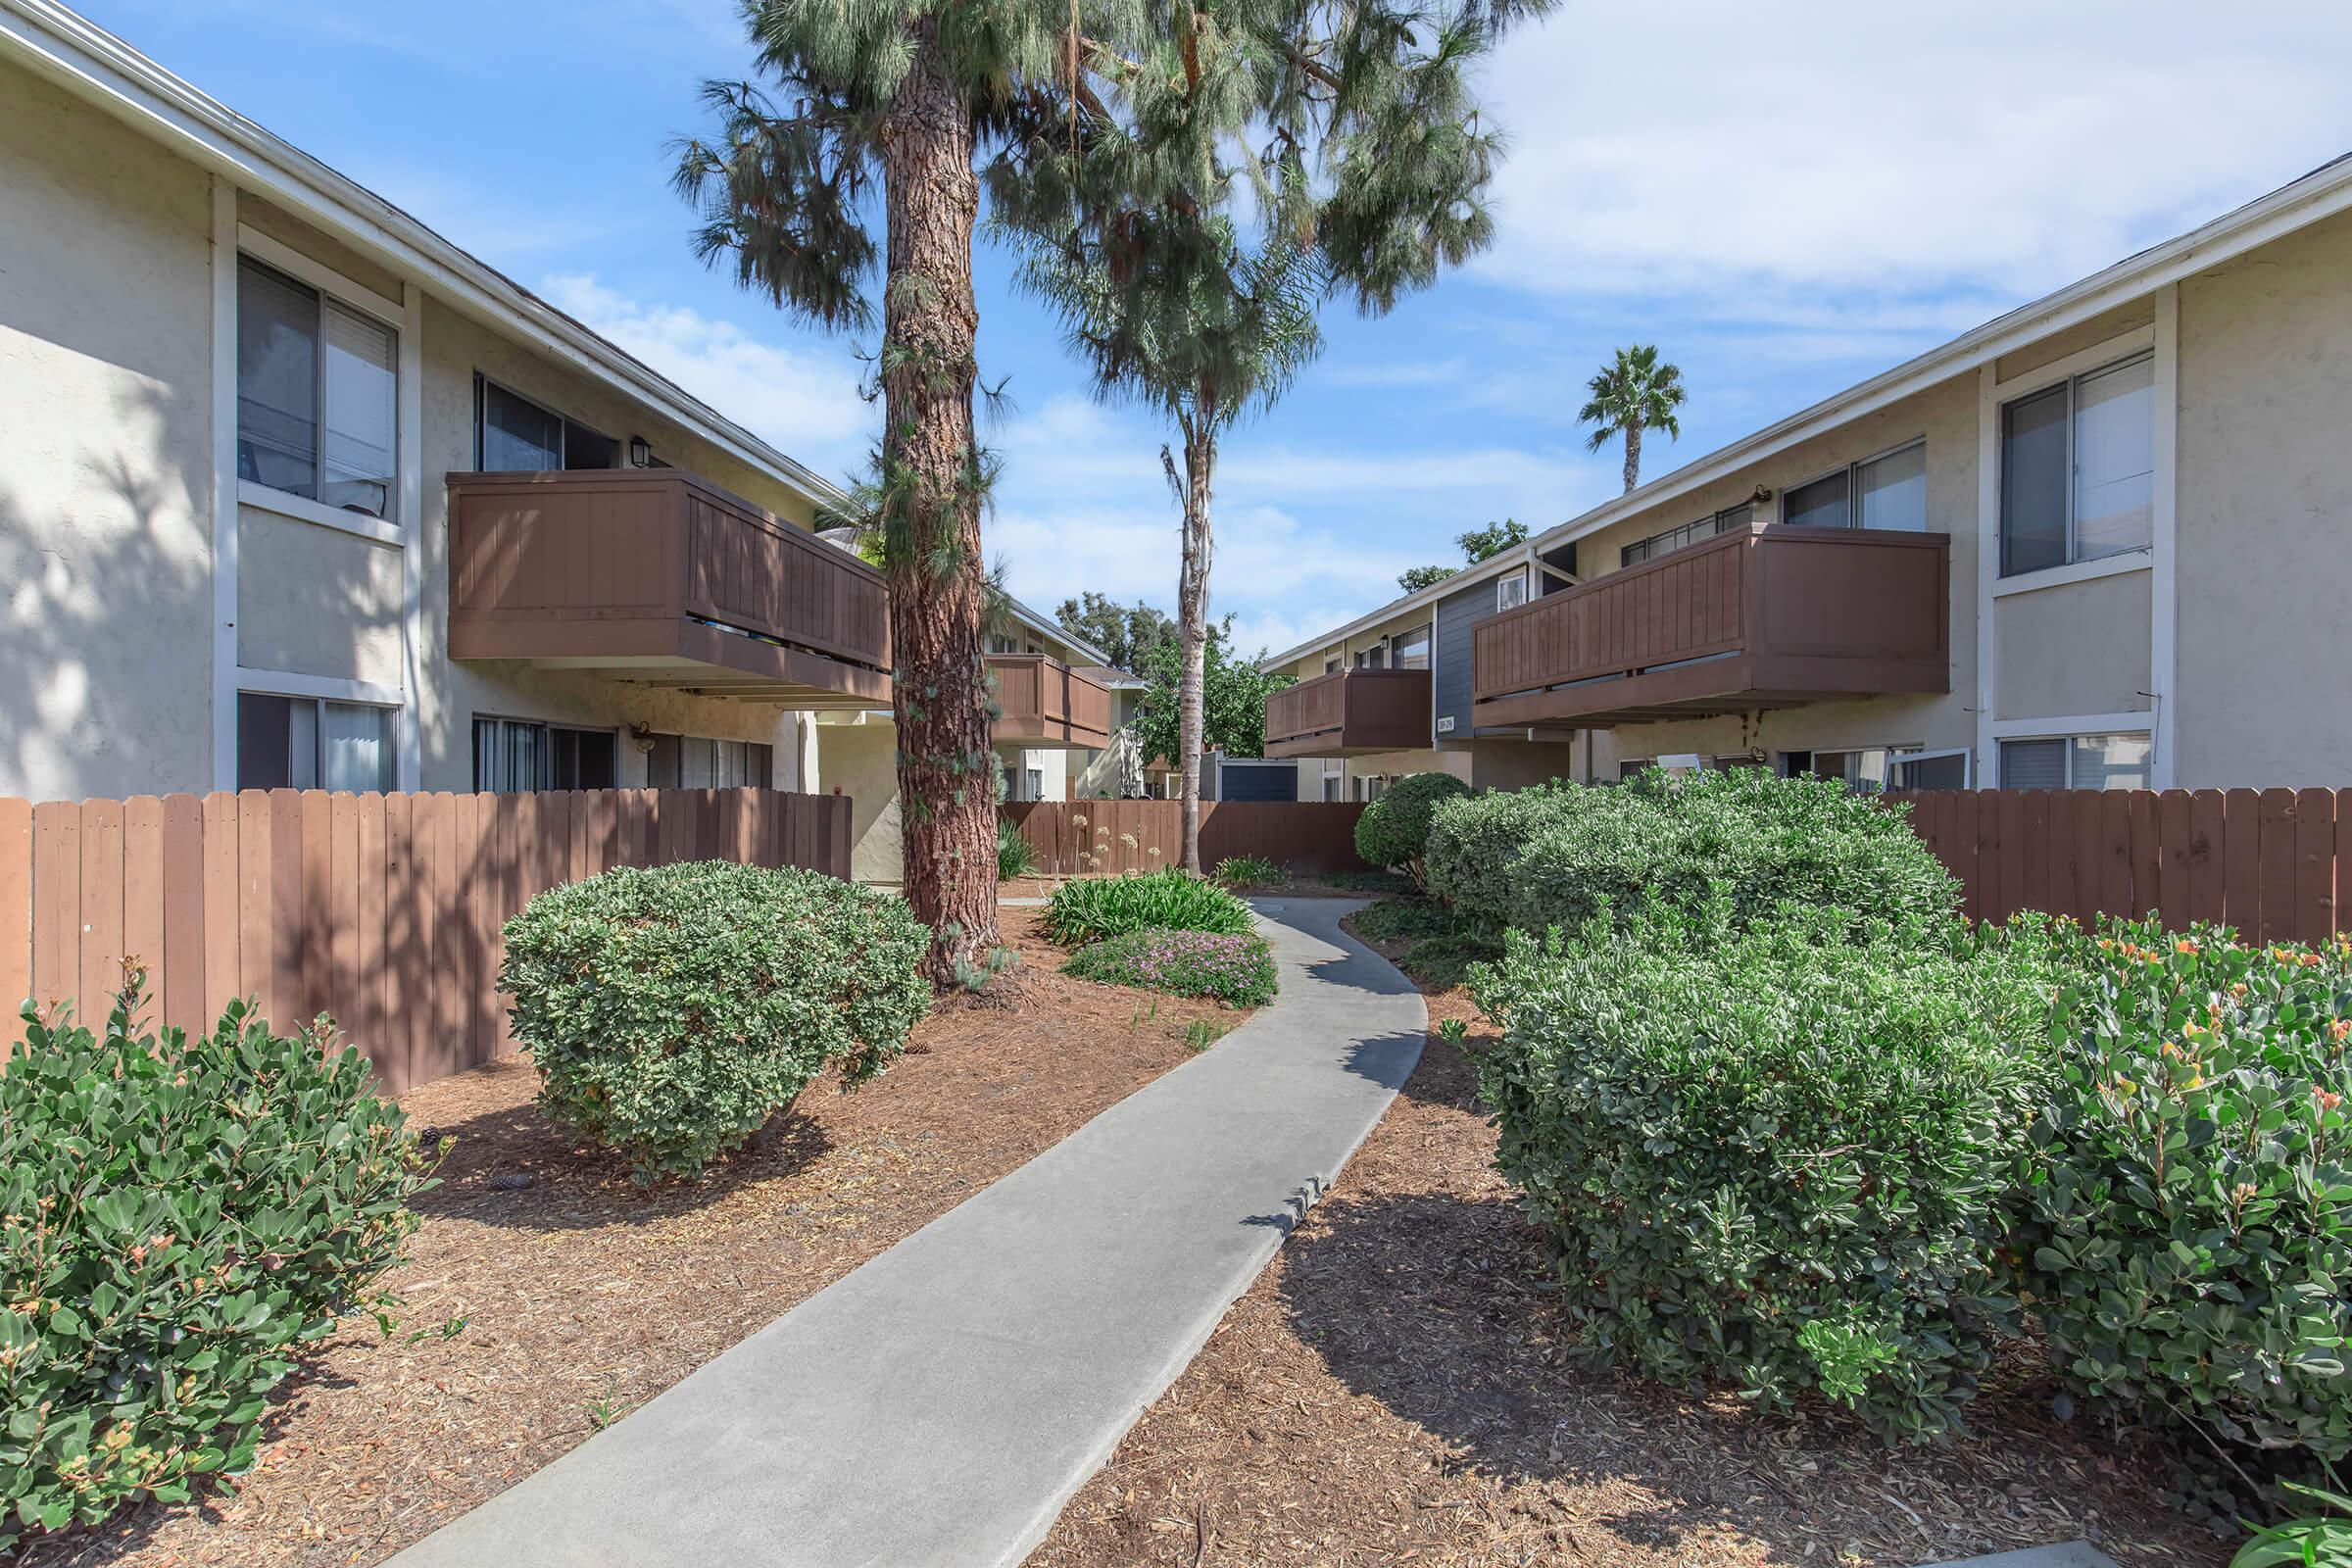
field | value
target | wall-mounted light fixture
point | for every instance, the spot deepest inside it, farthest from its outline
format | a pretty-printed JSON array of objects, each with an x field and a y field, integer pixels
[
  {"x": 641, "y": 455},
  {"x": 1761, "y": 496},
  {"x": 642, "y": 736}
]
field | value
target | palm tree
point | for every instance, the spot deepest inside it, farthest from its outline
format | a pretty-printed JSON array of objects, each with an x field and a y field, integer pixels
[
  {"x": 1635, "y": 393},
  {"x": 1349, "y": 134}
]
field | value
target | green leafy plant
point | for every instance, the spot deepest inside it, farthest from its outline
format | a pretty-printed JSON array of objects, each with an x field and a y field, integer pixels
[
  {"x": 1453, "y": 1031},
  {"x": 1091, "y": 909},
  {"x": 181, "y": 1219},
  {"x": 1016, "y": 857},
  {"x": 1252, "y": 872},
  {"x": 2185, "y": 1209},
  {"x": 1404, "y": 921},
  {"x": 1735, "y": 1137},
  {"x": 1393, "y": 830},
  {"x": 1234, "y": 970},
  {"x": 2318, "y": 1540},
  {"x": 1562, "y": 854},
  {"x": 1442, "y": 963},
  {"x": 1203, "y": 1032},
  {"x": 672, "y": 1011}
]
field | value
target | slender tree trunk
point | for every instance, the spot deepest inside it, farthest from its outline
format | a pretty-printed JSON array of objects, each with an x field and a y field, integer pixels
[
  {"x": 947, "y": 780},
  {"x": 1192, "y": 614},
  {"x": 1633, "y": 454}
]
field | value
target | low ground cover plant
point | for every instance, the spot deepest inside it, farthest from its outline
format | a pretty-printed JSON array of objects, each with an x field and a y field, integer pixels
[
  {"x": 1091, "y": 909},
  {"x": 1440, "y": 946},
  {"x": 1393, "y": 830},
  {"x": 1016, "y": 857},
  {"x": 672, "y": 1011},
  {"x": 1238, "y": 969},
  {"x": 1564, "y": 853},
  {"x": 1252, "y": 872},
  {"x": 1771, "y": 1157},
  {"x": 180, "y": 1219},
  {"x": 2186, "y": 1214}
]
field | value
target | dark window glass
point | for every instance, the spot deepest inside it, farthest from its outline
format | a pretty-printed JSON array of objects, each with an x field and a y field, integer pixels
[
  {"x": 584, "y": 447},
  {"x": 2034, "y": 764},
  {"x": 265, "y": 752},
  {"x": 518, "y": 435},
  {"x": 2034, "y": 485},
  {"x": 278, "y": 380},
  {"x": 1819, "y": 505}
]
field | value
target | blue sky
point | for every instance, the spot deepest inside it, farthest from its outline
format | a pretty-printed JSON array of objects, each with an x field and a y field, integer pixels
[{"x": 1785, "y": 199}]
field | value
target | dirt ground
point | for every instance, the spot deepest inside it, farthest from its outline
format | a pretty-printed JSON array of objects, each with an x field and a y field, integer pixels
[
  {"x": 582, "y": 1298},
  {"x": 1396, "y": 1389}
]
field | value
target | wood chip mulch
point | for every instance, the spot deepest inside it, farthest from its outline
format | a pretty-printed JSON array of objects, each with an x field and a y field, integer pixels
[
  {"x": 582, "y": 1296},
  {"x": 1397, "y": 1388}
]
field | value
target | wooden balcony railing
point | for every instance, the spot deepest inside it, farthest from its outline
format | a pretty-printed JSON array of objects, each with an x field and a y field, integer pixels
[
  {"x": 1349, "y": 712},
  {"x": 1047, "y": 704},
  {"x": 659, "y": 577},
  {"x": 1767, "y": 618}
]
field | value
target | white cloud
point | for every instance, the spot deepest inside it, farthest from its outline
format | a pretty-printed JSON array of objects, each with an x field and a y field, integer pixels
[
  {"x": 1719, "y": 148},
  {"x": 804, "y": 403}
]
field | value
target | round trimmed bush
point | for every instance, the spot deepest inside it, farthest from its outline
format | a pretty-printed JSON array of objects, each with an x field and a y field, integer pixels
[
  {"x": 2185, "y": 1234},
  {"x": 1393, "y": 830},
  {"x": 181, "y": 1219},
  {"x": 672, "y": 1011},
  {"x": 1774, "y": 1159}
]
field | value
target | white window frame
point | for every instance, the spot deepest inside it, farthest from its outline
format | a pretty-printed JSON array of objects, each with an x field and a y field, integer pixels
[
  {"x": 2074, "y": 568},
  {"x": 2077, "y": 729},
  {"x": 322, "y": 689},
  {"x": 1854, "y": 473},
  {"x": 393, "y": 316},
  {"x": 1504, "y": 598},
  {"x": 1967, "y": 755}
]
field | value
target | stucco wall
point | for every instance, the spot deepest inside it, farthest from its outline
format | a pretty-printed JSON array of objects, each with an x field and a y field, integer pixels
[
  {"x": 860, "y": 760},
  {"x": 104, "y": 470},
  {"x": 1932, "y": 723},
  {"x": 2264, "y": 516},
  {"x": 2079, "y": 648},
  {"x": 317, "y": 600}
]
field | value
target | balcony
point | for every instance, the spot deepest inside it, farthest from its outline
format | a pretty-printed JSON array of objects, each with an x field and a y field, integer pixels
[
  {"x": 658, "y": 577},
  {"x": 1349, "y": 712},
  {"x": 1048, "y": 705},
  {"x": 1768, "y": 617}
]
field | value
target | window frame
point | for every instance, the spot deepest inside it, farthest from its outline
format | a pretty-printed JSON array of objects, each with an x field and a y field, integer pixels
[
  {"x": 395, "y": 525},
  {"x": 483, "y": 381},
  {"x": 1511, "y": 579},
  {"x": 1853, "y": 474},
  {"x": 319, "y": 702},
  {"x": 2103, "y": 731},
  {"x": 2024, "y": 389},
  {"x": 548, "y": 730}
]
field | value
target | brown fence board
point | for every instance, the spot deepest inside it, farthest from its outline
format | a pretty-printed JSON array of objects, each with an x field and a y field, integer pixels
[
  {"x": 380, "y": 910},
  {"x": 1079, "y": 837},
  {"x": 2269, "y": 862}
]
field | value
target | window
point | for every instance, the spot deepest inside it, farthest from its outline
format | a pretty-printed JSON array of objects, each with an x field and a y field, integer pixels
[
  {"x": 515, "y": 435},
  {"x": 1411, "y": 649},
  {"x": 317, "y": 411},
  {"x": 305, "y": 743},
  {"x": 2078, "y": 469},
  {"x": 1729, "y": 520},
  {"x": 1375, "y": 657},
  {"x": 514, "y": 756},
  {"x": 1887, "y": 491},
  {"x": 1510, "y": 591},
  {"x": 1033, "y": 782},
  {"x": 1630, "y": 767},
  {"x": 2076, "y": 762},
  {"x": 1335, "y": 781},
  {"x": 1871, "y": 769},
  {"x": 1369, "y": 785},
  {"x": 699, "y": 763}
]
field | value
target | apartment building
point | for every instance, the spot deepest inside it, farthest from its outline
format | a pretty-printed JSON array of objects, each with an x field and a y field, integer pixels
[
  {"x": 298, "y": 493},
  {"x": 2098, "y": 542}
]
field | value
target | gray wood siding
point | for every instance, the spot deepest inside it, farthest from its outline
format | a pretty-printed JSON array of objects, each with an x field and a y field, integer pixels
[{"x": 1451, "y": 672}]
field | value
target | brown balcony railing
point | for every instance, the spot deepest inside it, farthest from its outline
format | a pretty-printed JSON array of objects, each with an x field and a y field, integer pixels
[
  {"x": 1046, "y": 704},
  {"x": 1767, "y": 618},
  {"x": 657, "y": 575},
  {"x": 1349, "y": 712}
]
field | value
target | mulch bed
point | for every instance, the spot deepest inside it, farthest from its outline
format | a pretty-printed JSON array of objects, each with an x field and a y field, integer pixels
[
  {"x": 582, "y": 1296},
  {"x": 1397, "y": 1388}
]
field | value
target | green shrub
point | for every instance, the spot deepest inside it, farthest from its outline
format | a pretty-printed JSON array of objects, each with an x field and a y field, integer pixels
[
  {"x": 1236, "y": 969},
  {"x": 1404, "y": 921},
  {"x": 180, "y": 1220},
  {"x": 673, "y": 1011},
  {"x": 1561, "y": 855},
  {"x": 1393, "y": 829},
  {"x": 1016, "y": 857},
  {"x": 1770, "y": 1158},
  {"x": 1441, "y": 963},
  {"x": 1252, "y": 872},
  {"x": 2185, "y": 1231},
  {"x": 1091, "y": 909}
]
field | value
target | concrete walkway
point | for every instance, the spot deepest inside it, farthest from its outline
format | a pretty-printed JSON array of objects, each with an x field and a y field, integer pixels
[{"x": 938, "y": 1405}]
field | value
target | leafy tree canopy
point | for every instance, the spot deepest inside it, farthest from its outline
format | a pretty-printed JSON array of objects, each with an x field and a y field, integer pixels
[
  {"x": 1126, "y": 633},
  {"x": 1412, "y": 579},
  {"x": 1233, "y": 696},
  {"x": 1476, "y": 545}
]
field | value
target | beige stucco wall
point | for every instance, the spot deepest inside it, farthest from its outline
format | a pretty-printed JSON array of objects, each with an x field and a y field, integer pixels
[
  {"x": 1310, "y": 664},
  {"x": 2264, "y": 516},
  {"x": 317, "y": 600},
  {"x": 105, "y": 455},
  {"x": 2078, "y": 647},
  {"x": 857, "y": 756},
  {"x": 2074, "y": 339}
]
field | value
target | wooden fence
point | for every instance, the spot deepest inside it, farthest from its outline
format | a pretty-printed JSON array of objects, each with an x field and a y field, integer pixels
[
  {"x": 1073, "y": 838},
  {"x": 383, "y": 911},
  {"x": 2267, "y": 861}
]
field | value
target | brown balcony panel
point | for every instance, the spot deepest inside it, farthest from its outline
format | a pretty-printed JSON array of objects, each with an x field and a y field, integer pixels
[
  {"x": 1047, "y": 705},
  {"x": 657, "y": 575},
  {"x": 1771, "y": 617},
  {"x": 1349, "y": 712}
]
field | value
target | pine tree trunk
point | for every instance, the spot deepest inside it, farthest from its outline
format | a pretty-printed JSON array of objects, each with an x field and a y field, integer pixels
[
  {"x": 1192, "y": 615},
  {"x": 1633, "y": 456},
  {"x": 947, "y": 789}
]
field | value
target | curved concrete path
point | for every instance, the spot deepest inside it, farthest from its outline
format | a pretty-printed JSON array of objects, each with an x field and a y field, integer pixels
[{"x": 941, "y": 1404}]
